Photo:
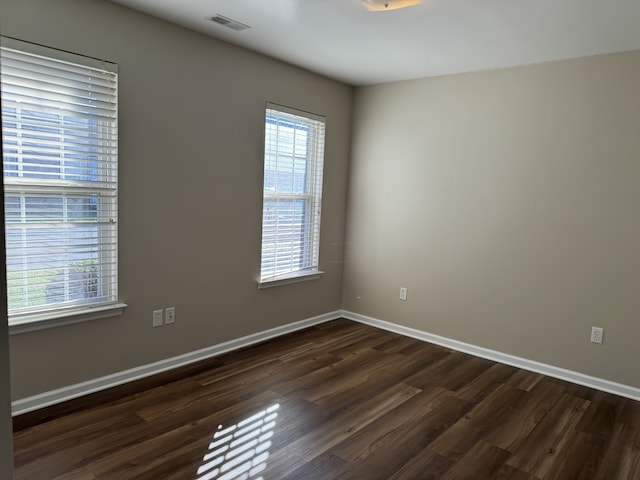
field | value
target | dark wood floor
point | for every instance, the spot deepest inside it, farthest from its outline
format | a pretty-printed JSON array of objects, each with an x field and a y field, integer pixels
[{"x": 343, "y": 401}]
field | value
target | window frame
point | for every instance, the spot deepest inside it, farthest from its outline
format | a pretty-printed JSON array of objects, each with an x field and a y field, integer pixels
[
  {"x": 309, "y": 250},
  {"x": 103, "y": 190}
]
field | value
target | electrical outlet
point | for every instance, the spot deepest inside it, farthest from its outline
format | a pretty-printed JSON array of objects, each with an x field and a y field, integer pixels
[
  {"x": 403, "y": 293},
  {"x": 157, "y": 318},
  {"x": 169, "y": 315},
  {"x": 597, "y": 334}
]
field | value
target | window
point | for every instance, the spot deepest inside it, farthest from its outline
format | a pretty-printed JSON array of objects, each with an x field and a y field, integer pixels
[
  {"x": 292, "y": 194},
  {"x": 59, "y": 142}
]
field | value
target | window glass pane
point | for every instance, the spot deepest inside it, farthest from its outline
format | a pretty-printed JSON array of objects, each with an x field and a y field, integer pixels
[
  {"x": 49, "y": 264},
  {"x": 284, "y": 234}
]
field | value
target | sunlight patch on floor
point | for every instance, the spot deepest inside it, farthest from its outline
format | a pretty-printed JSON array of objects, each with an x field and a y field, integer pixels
[{"x": 240, "y": 452}]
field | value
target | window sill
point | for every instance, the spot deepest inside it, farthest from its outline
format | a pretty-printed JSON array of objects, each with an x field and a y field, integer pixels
[
  {"x": 43, "y": 321},
  {"x": 293, "y": 278}
]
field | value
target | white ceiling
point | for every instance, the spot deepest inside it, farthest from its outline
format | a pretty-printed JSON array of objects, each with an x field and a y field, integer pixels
[{"x": 342, "y": 40}]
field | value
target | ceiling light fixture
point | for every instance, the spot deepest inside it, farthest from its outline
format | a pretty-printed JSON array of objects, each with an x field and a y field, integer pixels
[{"x": 386, "y": 5}]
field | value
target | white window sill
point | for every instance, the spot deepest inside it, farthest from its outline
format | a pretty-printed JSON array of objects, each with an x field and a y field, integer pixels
[
  {"x": 292, "y": 278},
  {"x": 42, "y": 321}
]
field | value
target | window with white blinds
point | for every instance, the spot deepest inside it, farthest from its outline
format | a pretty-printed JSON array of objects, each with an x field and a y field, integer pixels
[
  {"x": 60, "y": 144},
  {"x": 292, "y": 193}
]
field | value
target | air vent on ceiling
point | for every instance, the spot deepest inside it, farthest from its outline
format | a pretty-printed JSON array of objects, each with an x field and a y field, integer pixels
[{"x": 229, "y": 23}]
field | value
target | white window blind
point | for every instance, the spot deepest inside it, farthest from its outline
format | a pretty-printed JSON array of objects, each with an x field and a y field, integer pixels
[
  {"x": 59, "y": 140},
  {"x": 292, "y": 194}
]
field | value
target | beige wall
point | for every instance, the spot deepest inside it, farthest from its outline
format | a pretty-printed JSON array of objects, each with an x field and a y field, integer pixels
[
  {"x": 508, "y": 202},
  {"x": 191, "y": 144}
]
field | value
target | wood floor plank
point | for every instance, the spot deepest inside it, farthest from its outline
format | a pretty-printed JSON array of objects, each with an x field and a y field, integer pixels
[
  {"x": 579, "y": 457},
  {"x": 323, "y": 467},
  {"x": 382, "y": 455},
  {"x": 378, "y": 435},
  {"x": 337, "y": 401},
  {"x": 481, "y": 461},
  {"x": 524, "y": 380},
  {"x": 602, "y": 415},
  {"x": 323, "y": 377},
  {"x": 622, "y": 457},
  {"x": 351, "y": 378},
  {"x": 485, "y": 383},
  {"x": 516, "y": 427},
  {"x": 438, "y": 372},
  {"x": 349, "y": 422},
  {"x": 538, "y": 454},
  {"x": 213, "y": 395},
  {"x": 382, "y": 374},
  {"x": 78, "y": 476},
  {"x": 485, "y": 417},
  {"x": 31, "y": 449},
  {"x": 394, "y": 343},
  {"x": 425, "y": 465},
  {"x": 507, "y": 472}
]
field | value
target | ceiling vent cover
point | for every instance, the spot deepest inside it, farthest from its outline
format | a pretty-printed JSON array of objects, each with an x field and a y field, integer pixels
[{"x": 229, "y": 23}]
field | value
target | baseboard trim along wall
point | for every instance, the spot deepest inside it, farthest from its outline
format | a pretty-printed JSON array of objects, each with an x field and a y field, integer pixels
[
  {"x": 53, "y": 397},
  {"x": 530, "y": 365},
  {"x": 71, "y": 392}
]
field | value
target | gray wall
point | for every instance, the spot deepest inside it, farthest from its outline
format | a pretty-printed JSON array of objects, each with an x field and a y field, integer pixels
[
  {"x": 508, "y": 203},
  {"x": 191, "y": 146}
]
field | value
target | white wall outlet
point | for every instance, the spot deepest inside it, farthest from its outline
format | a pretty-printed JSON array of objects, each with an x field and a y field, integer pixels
[
  {"x": 403, "y": 293},
  {"x": 597, "y": 334},
  {"x": 157, "y": 318},
  {"x": 169, "y": 315}
]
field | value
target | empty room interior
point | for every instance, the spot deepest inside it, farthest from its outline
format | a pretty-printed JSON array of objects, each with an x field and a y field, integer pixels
[{"x": 469, "y": 305}]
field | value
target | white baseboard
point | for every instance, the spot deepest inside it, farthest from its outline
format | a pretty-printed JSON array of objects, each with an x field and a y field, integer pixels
[
  {"x": 60, "y": 395},
  {"x": 533, "y": 366}
]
